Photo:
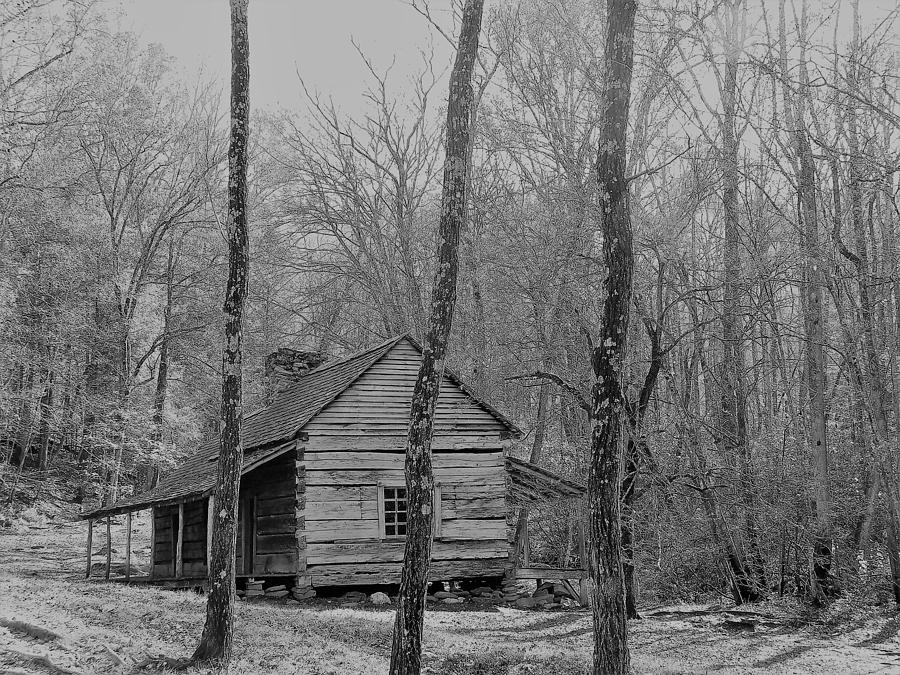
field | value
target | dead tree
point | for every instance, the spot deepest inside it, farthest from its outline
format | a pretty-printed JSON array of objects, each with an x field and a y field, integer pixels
[
  {"x": 406, "y": 650},
  {"x": 215, "y": 643},
  {"x": 611, "y": 655}
]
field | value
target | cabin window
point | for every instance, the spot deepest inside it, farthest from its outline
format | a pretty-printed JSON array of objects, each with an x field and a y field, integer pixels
[{"x": 392, "y": 511}]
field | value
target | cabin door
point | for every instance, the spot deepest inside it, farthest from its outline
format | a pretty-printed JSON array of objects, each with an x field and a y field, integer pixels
[{"x": 246, "y": 534}]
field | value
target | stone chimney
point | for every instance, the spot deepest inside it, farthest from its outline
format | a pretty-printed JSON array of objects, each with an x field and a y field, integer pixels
[{"x": 288, "y": 365}]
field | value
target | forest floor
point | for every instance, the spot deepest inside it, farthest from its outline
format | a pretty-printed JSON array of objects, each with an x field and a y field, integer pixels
[{"x": 52, "y": 620}]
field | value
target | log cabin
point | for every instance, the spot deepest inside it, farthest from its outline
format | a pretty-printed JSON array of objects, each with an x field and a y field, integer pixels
[{"x": 323, "y": 496}]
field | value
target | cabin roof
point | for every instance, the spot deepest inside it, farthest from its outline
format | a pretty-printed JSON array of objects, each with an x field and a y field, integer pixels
[
  {"x": 270, "y": 431},
  {"x": 530, "y": 483}
]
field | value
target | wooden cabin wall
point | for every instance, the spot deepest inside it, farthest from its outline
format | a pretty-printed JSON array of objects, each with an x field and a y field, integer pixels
[
  {"x": 193, "y": 547},
  {"x": 270, "y": 494},
  {"x": 359, "y": 441}
]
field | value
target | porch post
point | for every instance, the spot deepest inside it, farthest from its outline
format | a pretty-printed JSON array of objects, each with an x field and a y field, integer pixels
[
  {"x": 128, "y": 547},
  {"x": 152, "y": 539},
  {"x": 90, "y": 543},
  {"x": 108, "y": 545},
  {"x": 179, "y": 544}
]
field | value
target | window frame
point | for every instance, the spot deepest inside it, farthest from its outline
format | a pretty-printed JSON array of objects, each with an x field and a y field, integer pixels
[{"x": 383, "y": 536}]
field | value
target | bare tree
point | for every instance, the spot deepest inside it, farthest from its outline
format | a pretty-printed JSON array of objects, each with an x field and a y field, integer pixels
[
  {"x": 215, "y": 643},
  {"x": 406, "y": 650},
  {"x": 611, "y": 656}
]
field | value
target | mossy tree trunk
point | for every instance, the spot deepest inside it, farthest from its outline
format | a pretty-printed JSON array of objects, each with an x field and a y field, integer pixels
[
  {"x": 406, "y": 650},
  {"x": 611, "y": 656},
  {"x": 215, "y": 643}
]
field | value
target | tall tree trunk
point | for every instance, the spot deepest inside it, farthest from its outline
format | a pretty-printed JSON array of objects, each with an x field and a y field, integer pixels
[
  {"x": 611, "y": 656},
  {"x": 822, "y": 583},
  {"x": 406, "y": 650},
  {"x": 734, "y": 395},
  {"x": 215, "y": 643}
]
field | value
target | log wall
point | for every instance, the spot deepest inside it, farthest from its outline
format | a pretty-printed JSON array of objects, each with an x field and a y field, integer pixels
[
  {"x": 358, "y": 443},
  {"x": 165, "y": 534}
]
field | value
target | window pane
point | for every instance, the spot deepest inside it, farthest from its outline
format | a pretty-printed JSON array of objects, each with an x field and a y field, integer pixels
[
  {"x": 389, "y": 517},
  {"x": 401, "y": 529}
]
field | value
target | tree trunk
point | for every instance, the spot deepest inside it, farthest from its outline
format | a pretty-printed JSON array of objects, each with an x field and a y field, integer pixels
[
  {"x": 611, "y": 656},
  {"x": 734, "y": 395},
  {"x": 406, "y": 650},
  {"x": 822, "y": 582},
  {"x": 44, "y": 431},
  {"x": 215, "y": 643}
]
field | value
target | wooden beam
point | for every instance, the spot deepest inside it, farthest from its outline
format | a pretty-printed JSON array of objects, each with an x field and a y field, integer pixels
[
  {"x": 152, "y": 540},
  {"x": 90, "y": 543},
  {"x": 179, "y": 543},
  {"x": 526, "y": 543},
  {"x": 108, "y": 544},
  {"x": 128, "y": 547},
  {"x": 210, "y": 522},
  {"x": 549, "y": 573}
]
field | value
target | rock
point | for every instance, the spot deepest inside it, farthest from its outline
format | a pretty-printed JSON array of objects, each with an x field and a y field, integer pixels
[
  {"x": 483, "y": 590},
  {"x": 567, "y": 603},
  {"x": 379, "y": 599},
  {"x": 452, "y": 601},
  {"x": 445, "y": 595},
  {"x": 430, "y": 598},
  {"x": 353, "y": 596},
  {"x": 304, "y": 594},
  {"x": 510, "y": 598},
  {"x": 526, "y": 603},
  {"x": 254, "y": 593},
  {"x": 275, "y": 589},
  {"x": 553, "y": 605},
  {"x": 462, "y": 594},
  {"x": 277, "y": 594}
]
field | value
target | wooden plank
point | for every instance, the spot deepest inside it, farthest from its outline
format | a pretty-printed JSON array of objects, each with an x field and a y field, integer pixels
[
  {"x": 275, "y": 543},
  {"x": 281, "y": 505},
  {"x": 485, "y": 476},
  {"x": 108, "y": 545},
  {"x": 361, "y": 509},
  {"x": 548, "y": 573},
  {"x": 397, "y": 442},
  {"x": 330, "y": 530},
  {"x": 389, "y": 573},
  {"x": 279, "y": 563},
  {"x": 128, "y": 547},
  {"x": 463, "y": 528},
  {"x": 275, "y": 524},
  {"x": 339, "y": 493},
  {"x": 363, "y": 461},
  {"x": 179, "y": 543},
  {"x": 377, "y": 551},
  {"x": 152, "y": 541},
  {"x": 90, "y": 544}
]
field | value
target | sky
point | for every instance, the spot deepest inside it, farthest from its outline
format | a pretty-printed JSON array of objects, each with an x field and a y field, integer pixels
[{"x": 312, "y": 37}]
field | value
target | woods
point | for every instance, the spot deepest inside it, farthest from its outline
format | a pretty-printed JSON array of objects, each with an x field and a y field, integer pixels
[{"x": 659, "y": 238}]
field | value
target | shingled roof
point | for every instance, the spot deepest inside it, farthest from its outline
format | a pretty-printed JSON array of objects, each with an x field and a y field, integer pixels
[{"x": 269, "y": 431}]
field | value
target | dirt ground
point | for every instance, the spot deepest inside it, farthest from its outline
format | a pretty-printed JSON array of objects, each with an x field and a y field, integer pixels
[{"x": 52, "y": 620}]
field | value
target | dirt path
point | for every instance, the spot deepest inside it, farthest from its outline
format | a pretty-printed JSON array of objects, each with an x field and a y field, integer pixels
[{"x": 54, "y": 621}]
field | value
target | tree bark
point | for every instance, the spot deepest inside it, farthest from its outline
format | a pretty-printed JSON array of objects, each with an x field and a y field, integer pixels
[
  {"x": 406, "y": 649},
  {"x": 611, "y": 656},
  {"x": 216, "y": 641}
]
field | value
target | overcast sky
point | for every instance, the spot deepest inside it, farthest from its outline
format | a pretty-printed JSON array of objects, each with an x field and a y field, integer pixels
[
  {"x": 313, "y": 37},
  {"x": 287, "y": 36}
]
